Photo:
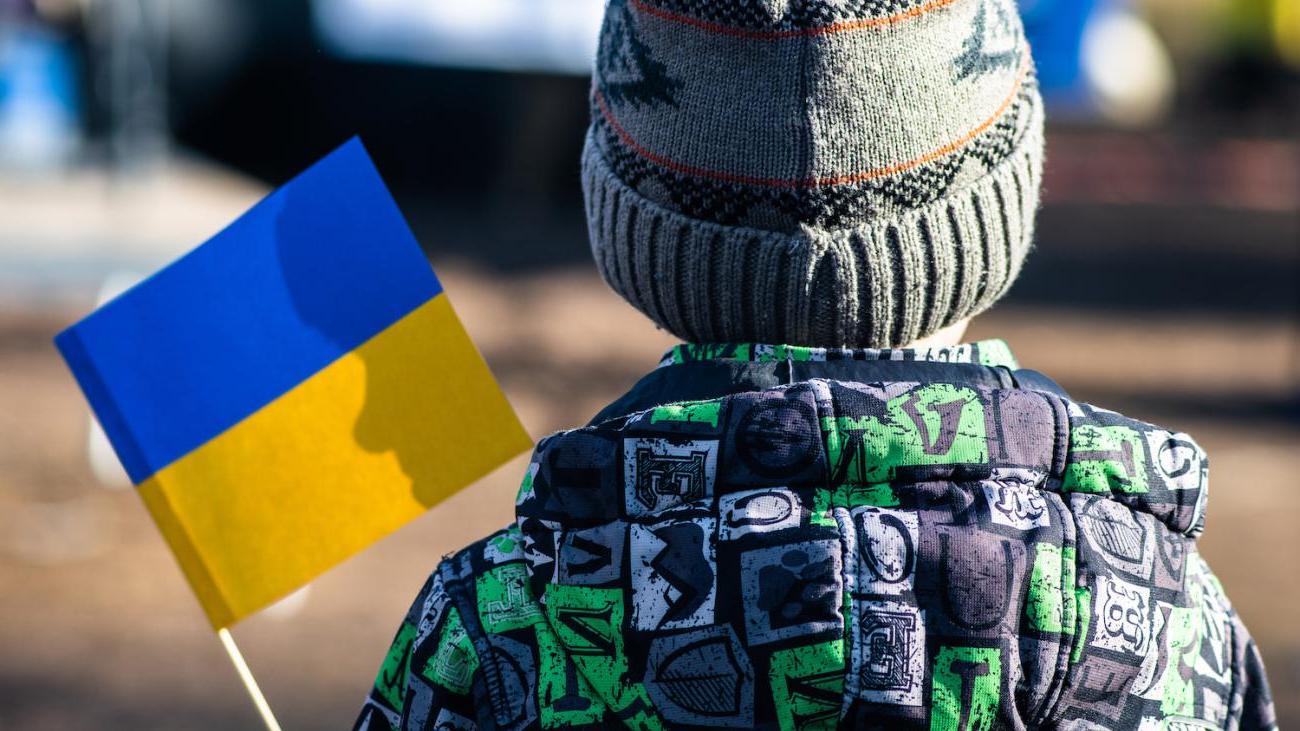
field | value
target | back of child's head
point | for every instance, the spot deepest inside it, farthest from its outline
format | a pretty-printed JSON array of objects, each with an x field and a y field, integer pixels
[{"x": 856, "y": 173}]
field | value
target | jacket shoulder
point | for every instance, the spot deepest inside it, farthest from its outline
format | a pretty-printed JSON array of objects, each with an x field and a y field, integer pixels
[
  {"x": 428, "y": 675},
  {"x": 522, "y": 678}
]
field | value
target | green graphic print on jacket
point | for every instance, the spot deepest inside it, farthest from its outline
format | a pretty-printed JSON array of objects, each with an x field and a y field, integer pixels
[{"x": 857, "y": 539}]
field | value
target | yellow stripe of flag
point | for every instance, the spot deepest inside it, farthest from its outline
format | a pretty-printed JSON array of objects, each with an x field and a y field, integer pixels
[{"x": 340, "y": 461}]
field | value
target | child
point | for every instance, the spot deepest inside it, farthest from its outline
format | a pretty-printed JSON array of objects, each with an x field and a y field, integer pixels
[{"x": 810, "y": 525}]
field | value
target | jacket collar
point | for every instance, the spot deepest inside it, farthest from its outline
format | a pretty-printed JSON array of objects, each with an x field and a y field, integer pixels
[
  {"x": 994, "y": 353},
  {"x": 697, "y": 372}
]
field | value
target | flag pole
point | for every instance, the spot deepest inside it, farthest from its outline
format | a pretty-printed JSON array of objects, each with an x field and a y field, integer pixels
[{"x": 250, "y": 683}]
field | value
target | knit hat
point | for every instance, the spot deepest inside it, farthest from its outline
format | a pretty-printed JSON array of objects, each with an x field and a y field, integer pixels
[{"x": 813, "y": 172}]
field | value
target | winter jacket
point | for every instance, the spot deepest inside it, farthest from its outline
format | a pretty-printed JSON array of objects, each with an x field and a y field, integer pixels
[{"x": 795, "y": 538}]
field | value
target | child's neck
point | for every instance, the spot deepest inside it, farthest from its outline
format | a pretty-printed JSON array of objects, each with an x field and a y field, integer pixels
[{"x": 944, "y": 338}]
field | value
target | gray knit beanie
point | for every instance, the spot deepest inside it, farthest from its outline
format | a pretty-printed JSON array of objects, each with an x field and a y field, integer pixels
[{"x": 813, "y": 172}]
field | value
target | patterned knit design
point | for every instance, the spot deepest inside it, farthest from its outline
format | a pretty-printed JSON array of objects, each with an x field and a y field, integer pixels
[
  {"x": 830, "y": 207},
  {"x": 847, "y": 174},
  {"x": 786, "y": 15}
]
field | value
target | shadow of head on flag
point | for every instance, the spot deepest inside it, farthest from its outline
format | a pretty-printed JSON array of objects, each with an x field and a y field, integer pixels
[{"x": 389, "y": 405}]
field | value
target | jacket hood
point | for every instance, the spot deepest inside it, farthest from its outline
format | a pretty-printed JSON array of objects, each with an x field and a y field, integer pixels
[{"x": 965, "y": 552}]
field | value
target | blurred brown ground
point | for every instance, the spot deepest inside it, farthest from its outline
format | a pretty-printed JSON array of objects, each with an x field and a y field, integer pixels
[{"x": 98, "y": 630}]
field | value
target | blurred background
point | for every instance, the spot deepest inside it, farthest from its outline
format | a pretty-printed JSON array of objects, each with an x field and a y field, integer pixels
[{"x": 1166, "y": 285}]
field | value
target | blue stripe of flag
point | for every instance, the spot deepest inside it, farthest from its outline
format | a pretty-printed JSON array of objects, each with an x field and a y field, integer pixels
[{"x": 308, "y": 274}]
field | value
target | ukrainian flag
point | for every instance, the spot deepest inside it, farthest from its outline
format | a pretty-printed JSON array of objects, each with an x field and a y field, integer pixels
[{"x": 292, "y": 390}]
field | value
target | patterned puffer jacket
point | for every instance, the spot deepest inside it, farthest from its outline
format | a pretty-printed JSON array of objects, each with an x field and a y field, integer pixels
[{"x": 793, "y": 538}]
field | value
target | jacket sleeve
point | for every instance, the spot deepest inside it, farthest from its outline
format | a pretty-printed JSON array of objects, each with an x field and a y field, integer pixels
[
  {"x": 1250, "y": 705},
  {"x": 426, "y": 678},
  {"x": 1255, "y": 699}
]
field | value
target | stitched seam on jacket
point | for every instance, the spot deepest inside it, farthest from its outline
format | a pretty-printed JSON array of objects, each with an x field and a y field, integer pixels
[{"x": 1066, "y": 648}]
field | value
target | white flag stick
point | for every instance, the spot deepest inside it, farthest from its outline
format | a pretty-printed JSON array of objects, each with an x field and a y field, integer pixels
[{"x": 250, "y": 683}]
